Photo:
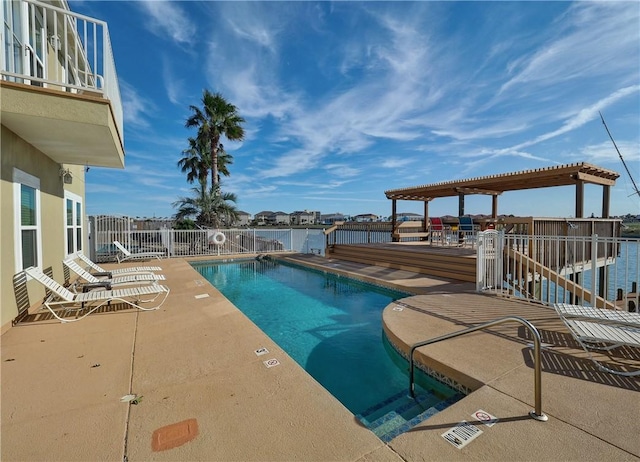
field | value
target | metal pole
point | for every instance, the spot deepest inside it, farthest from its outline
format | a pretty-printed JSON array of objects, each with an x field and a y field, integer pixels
[{"x": 537, "y": 413}]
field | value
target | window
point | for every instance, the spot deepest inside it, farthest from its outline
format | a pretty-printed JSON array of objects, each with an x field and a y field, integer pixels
[
  {"x": 28, "y": 234},
  {"x": 73, "y": 222},
  {"x": 12, "y": 14}
]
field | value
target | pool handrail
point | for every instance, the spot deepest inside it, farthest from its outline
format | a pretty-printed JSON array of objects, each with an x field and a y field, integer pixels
[{"x": 537, "y": 413}]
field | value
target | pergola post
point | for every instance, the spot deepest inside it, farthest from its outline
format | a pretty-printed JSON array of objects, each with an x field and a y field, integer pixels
[
  {"x": 579, "y": 199},
  {"x": 606, "y": 201},
  {"x": 393, "y": 221},
  {"x": 425, "y": 223},
  {"x": 460, "y": 204},
  {"x": 494, "y": 206},
  {"x": 602, "y": 272}
]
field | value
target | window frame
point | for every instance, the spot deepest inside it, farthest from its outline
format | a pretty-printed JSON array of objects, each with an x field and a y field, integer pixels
[
  {"x": 21, "y": 178},
  {"x": 77, "y": 222}
]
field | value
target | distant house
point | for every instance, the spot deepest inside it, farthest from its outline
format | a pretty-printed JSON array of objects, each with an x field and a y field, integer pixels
[
  {"x": 243, "y": 219},
  {"x": 267, "y": 217},
  {"x": 281, "y": 218},
  {"x": 61, "y": 112},
  {"x": 330, "y": 219},
  {"x": 409, "y": 217},
  {"x": 303, "y": 218},
  {"x": 148, "y": 224},
  {"x": 263, "y": 218},
  {"x": 365, "y": 218}
]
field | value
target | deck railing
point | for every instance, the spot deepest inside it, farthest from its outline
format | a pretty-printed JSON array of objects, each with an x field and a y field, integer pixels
[
  {"x": 55, "y": 48},
  {"x": 407, "y": 231},
  {"x": 593, "y": 270},
  {"x": 358, "y": 233}
]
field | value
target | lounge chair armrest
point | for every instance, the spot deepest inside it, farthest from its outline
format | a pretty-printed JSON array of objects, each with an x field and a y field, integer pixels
[{"x": 96, "y": 285}]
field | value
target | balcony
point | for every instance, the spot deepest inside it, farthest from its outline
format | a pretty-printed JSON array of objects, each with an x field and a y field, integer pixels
[{"x": 59, "y": 84}]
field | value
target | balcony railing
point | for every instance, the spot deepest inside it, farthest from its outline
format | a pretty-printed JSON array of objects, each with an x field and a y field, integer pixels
[{"x": 54, "y": 48}]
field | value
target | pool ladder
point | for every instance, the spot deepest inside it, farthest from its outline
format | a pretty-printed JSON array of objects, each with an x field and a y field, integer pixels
[{"x": 537, "y": 413}]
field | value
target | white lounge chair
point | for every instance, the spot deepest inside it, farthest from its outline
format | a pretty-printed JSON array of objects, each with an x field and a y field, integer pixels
[
  {"x": 620, "y": 317},
  {"x": 124, "y": 254},
  {"x": 100, "y": 271},
  {"x": 63, "y": 298},
  {"x": 603, "y": 335},
  {"x": 91, "y": 281}
]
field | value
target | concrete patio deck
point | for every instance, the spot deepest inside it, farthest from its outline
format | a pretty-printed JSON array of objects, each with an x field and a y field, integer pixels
[{"x": 193, "y": 364}]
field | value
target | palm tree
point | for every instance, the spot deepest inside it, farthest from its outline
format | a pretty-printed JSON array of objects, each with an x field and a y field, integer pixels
[
  {"x": 217, "y": 118},
  {"x": 210, "y": 207},
  {"x": 224, "y": 159},
  {"x": 196, "y": 161}
]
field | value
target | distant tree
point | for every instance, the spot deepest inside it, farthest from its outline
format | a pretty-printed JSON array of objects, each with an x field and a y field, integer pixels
[
  {"x": 184, "y": 224},
  {"x": 210, "y": 207},
  {"x": 215, "y": 119}
]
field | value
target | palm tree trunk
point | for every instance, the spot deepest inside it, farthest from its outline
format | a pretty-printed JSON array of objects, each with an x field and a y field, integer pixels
[{"x": 214, "y": 161}]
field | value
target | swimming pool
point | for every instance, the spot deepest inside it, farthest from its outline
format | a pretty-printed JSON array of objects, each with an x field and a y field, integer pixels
[{"x": 329, "y": 324}]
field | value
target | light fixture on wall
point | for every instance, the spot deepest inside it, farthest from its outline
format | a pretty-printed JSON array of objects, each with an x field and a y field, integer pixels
[{"x": 65, "y": 174}]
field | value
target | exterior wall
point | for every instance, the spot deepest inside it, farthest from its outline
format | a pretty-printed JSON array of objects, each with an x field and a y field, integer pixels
[{"x": 15, "y": 152}]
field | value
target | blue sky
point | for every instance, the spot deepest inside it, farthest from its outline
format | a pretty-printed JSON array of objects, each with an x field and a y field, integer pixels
[{"x": 344, "y": 100}]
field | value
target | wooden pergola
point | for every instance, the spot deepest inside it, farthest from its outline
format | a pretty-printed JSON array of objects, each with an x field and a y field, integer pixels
[{"x": 577, "y": 174}]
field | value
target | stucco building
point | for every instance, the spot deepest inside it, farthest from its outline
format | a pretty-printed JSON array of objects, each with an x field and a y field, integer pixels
[{"x": 61, "y": 113}]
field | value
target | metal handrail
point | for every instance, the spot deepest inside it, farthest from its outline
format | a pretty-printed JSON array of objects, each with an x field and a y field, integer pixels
[{"x": 537, "y": 413}]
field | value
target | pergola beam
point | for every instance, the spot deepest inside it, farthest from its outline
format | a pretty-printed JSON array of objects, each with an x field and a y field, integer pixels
[
  {"x": 577, "y": 174},
  {"x": 486, "y": 192}
]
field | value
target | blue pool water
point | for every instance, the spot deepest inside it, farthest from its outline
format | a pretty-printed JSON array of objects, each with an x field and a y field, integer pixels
[{"x": 330, "y": 325}]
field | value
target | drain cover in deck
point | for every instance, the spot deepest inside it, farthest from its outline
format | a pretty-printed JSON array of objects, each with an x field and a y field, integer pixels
[{"x": 174, "y": 435}]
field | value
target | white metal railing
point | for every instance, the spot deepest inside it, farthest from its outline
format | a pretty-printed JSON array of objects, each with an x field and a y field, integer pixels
[
  {"x": 593, "y": 271},
  {"x": 53, "y": 47},
  {"x": 191, "y": 243}
]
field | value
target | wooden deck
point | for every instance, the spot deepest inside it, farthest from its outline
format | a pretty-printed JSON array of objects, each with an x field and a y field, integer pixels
[{"x": 458, "y": 263}]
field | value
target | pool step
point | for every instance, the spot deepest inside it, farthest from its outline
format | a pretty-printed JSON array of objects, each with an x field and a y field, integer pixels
[{"x": 400, "y": 412}]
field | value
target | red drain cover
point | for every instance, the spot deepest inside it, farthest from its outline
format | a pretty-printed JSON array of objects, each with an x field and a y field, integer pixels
[{"x": 174, "y": 435}]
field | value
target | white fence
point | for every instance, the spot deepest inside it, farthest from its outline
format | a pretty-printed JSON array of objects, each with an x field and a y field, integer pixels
[
  {"x": 191, "y": 243},
  {"x": 594, "y": 271}
]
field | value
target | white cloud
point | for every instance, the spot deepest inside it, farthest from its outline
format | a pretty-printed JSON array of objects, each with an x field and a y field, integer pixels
[
  {"x": 168, "y": 19},
  {"x": 396, "y": 162},
  {"x": 342, "y": 170},
  {"x": 606, "y": 153},
  {"x": 611, "y": 28},
  {"x": 582, "y": 116},
  {"x": 173, "y": 85},
  {"x": 136, "y": 108}
]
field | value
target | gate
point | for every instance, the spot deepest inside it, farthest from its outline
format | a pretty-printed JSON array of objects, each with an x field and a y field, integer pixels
[
  {"x": 489, "y": 262},
  {"x": 103, "y": 230}
]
